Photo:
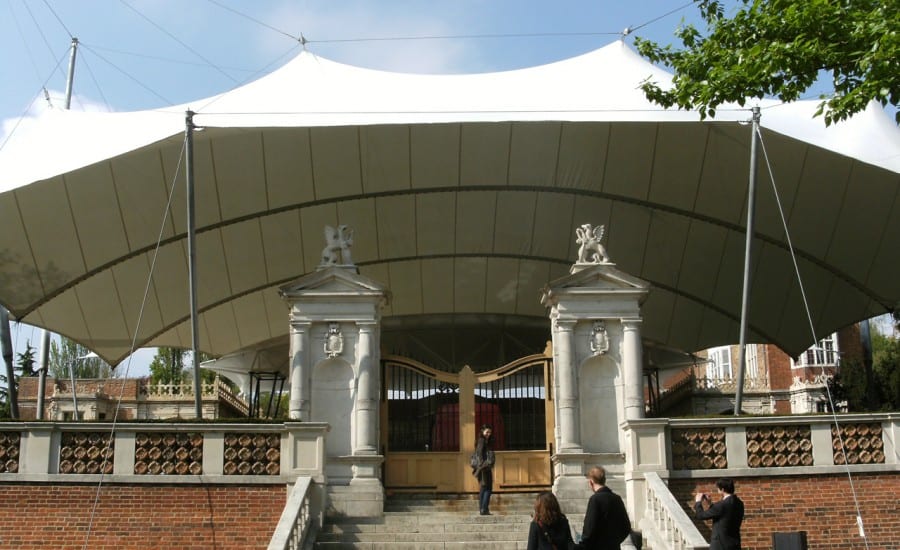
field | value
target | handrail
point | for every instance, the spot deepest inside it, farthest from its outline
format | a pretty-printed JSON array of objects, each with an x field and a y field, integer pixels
[
  {"x": 297, "y": 520},
  {"x": 665, "y": 522}
]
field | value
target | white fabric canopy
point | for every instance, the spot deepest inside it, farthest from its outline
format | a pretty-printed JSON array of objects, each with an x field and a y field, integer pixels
[{"x": 464, "y": 192}]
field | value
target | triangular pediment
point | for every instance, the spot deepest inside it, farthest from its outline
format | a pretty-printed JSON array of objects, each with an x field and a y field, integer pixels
[
  {"x": 332, "y": 280},
  {"x": 598, "y": 278}
]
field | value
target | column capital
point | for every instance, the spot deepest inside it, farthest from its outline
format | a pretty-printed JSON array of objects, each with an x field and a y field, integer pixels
[
  {"x": 300, "y": 326},
  {"x": 366, "y": 326},
  {"x": 565, "y": 324},
  {"x": 631, "y": 322}
]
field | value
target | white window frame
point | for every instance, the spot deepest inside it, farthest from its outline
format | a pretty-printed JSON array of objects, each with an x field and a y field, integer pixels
[
  {"x": 719, "y": 366},
  {"x": 752, "y": 360},
  {"x": 824, "y": 353}
]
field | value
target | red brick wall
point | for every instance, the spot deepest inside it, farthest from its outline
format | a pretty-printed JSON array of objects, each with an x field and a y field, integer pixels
[
  {"x": 38, "y": 516},
  {"x": 128, "y": 387},
  {"x": 780, "y": 376},
  {"x": 820, "y": 505}
]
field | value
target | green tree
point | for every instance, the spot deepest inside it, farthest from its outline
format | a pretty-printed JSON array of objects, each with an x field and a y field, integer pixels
[
  {"x": 173, "y": 366},
  {"x": 849, "y": 384},
  {"x": 886, "y": 369},
  {"x": 781, "y": 48},
  {"x": 25, "y": 365},
  {"x": 276, "y": 406},
  {"x": 67, "y": 352},
  {"x": 167, "y": 366},
  {"x": 27, "y": 362}
]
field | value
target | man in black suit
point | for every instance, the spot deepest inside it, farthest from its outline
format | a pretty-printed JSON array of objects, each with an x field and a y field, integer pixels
[
  {"x": 727, "y": 515},
  {"x": 606, "y": 522}
]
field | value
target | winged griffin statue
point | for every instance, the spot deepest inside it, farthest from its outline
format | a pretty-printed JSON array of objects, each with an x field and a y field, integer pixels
[
  {"x": 337, "y": 245},
  {"x": 590, "y": 250}
]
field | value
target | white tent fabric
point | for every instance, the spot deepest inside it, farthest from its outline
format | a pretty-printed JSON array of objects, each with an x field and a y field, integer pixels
[{"x": 464, "y": 192}]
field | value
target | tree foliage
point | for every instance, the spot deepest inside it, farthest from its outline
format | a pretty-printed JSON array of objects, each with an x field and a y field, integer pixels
[
  {"x": 781, "y": 48},
  {"x": 170, "y": 366},
  {"x": 167, "y": 366},
  {"x": 25, "y": 367},
  {"x": 850, "y": 383},
  {"x": 886, "y": 369},
  {"x": 67, "y": 352},
  {"x": 848, "y": 386}
]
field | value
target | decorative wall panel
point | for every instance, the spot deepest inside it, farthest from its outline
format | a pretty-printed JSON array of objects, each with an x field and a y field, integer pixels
[
  {"x": 9, "y": 452},
  {"x": 699, "y": 449},
  {"x": 86, "y": 453},
  {"x": 161, "y": 453},
  {"x": 862, "y": 442},
  {"x": 779, "y": 446},
  {"x": 252, "y": 454}
]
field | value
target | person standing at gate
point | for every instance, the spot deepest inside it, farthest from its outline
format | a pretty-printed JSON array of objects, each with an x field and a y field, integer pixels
[
  {"x": 606, "y": 522},
  {"x": 483, "y": 468},
  {"x": 727, "y": 516}
]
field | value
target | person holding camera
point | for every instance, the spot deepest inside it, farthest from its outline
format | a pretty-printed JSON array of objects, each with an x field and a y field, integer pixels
[{"x": 727, "y": 516}]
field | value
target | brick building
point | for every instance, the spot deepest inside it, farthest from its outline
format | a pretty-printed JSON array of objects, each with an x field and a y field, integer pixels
[
  {"x": 774, "y": 382},
  {"x": 137, "y": 399}
]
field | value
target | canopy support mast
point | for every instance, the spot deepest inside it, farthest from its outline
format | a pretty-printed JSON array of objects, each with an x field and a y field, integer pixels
[
  {"x": 748, "y": 252},
  {"x": 71, "y": 76},
  {"x": 45, "y": 334},
  {"x": 192, "y": 256}
]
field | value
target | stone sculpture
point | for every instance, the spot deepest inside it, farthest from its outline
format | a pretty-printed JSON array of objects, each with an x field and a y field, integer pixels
[
  {"x": 599, "y": 338},
  {"x": 590, "y": 250},
  {"x": 337, "y": 245},
  {"x": 334, "y": 341}
]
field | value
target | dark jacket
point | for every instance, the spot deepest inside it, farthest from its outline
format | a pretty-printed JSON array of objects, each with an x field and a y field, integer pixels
[
  {"x": 484, "y": 470},
  {"x": 606, "y": 522},
  {"x": 727, "y": 515},
  {"x": 544, "y": 537}
]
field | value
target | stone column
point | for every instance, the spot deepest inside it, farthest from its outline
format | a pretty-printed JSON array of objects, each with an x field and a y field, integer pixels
[
  {"x": 632, "y": 364},
  {"x": 568, "y": 420},
  {"x": 367, "y": 392},
  {"x": 300, "y": 365}
]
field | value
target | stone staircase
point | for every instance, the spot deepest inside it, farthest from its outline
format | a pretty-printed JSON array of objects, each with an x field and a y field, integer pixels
[{"x": 433, "y": 522}]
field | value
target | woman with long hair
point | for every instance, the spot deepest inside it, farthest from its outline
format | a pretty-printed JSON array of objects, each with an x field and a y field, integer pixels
[
  {"x": 549, "y": 526},
  {"x": 483, "y": 469}
]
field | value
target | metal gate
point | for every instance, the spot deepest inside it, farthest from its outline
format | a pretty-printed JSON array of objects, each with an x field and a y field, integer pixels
[{"x": 429, "y": 421}]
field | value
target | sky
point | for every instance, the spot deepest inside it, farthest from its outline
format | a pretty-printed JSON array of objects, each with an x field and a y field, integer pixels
[{"x": 145, "y": 54}]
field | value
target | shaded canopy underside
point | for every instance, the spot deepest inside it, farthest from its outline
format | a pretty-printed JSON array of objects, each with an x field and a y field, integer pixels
[{"x": 455, "y": 218}]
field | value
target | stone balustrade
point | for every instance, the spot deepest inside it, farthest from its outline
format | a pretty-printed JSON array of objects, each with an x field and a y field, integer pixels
[
  {"x": 162, "y": 452},
  {"x": 702, "y": 384},
  {"x": 301, "y": 519},
  {"x": 215, "y": 389},
  {"x": 665, "y": 524}
]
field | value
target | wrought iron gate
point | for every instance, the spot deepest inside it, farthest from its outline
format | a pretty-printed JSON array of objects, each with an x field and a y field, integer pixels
[{"x": 430, "y": 419}]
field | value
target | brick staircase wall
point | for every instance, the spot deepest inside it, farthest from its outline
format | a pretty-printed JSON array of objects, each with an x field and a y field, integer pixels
[
  {"x": 140, "y": 516},
  {"x": 821, "y": 505}
]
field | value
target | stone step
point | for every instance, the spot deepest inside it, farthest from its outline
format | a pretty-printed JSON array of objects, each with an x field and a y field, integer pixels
[
  {"x": 429, "y": 521},
  {"x": 509, "y": 502},
  {"x": 480, "y": 545}
]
